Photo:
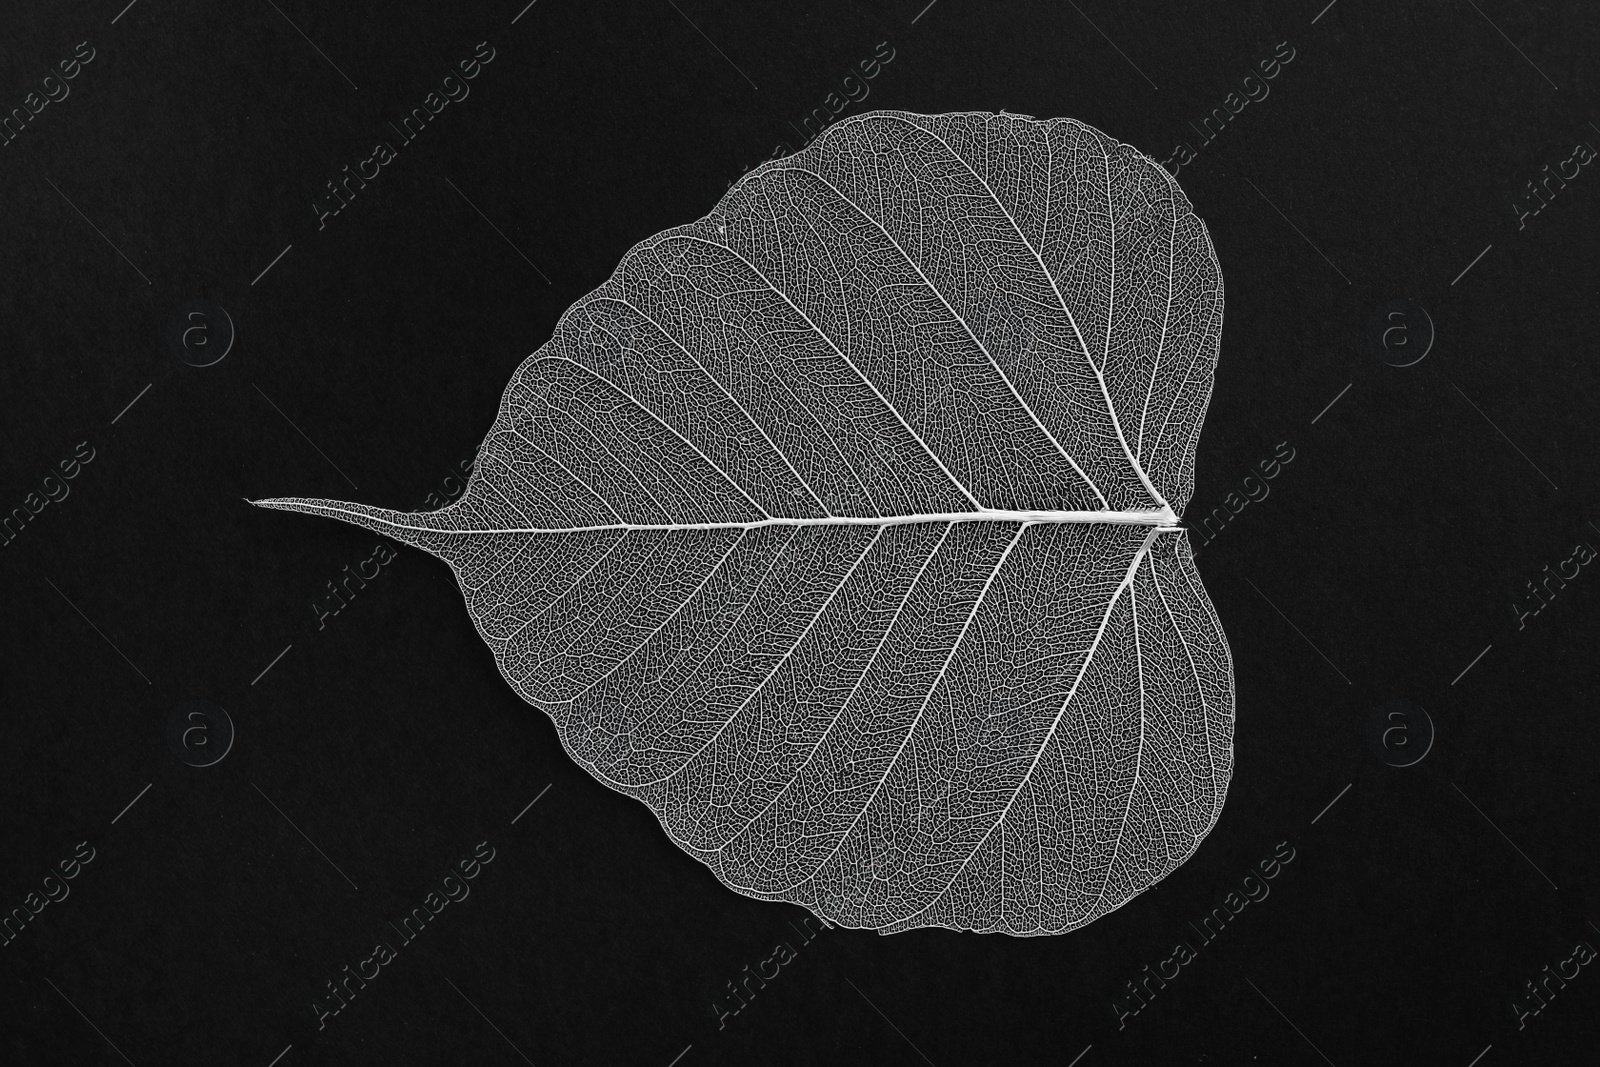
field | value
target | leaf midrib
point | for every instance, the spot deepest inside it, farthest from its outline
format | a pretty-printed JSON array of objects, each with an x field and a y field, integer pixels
[{"x": 1163, "y": 519}]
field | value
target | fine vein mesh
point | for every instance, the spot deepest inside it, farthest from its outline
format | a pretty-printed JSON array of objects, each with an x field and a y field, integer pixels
[{"x": 840, "y": 528}]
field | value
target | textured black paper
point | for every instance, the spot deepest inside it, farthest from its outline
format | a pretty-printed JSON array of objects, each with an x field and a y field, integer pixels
[{"x": 236, "y": 793}]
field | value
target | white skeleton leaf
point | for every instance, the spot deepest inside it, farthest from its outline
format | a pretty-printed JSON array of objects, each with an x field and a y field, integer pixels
[{"x": 841, "y": 528}]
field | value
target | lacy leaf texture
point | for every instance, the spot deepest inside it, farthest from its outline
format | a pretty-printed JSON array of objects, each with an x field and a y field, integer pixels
[{"x": 841, "y": 528}]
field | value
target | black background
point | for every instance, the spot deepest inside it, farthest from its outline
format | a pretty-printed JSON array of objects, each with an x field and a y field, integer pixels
[{"x": 1384, "y": 560}]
